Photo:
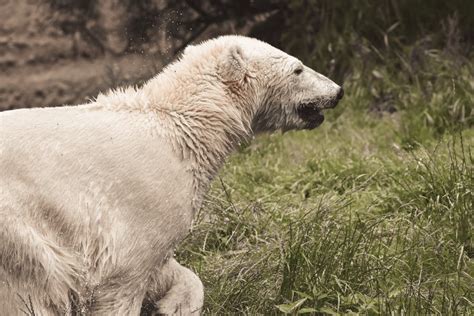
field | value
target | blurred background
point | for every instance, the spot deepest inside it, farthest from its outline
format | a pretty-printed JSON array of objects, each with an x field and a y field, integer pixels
[{"x": 372, "y": 213}]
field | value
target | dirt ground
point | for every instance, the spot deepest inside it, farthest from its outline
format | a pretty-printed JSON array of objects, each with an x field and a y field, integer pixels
[{"x": 41, "y": 65}]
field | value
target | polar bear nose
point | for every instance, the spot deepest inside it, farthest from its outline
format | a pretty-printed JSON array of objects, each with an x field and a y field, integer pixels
[{"x": 340, "y": 94}]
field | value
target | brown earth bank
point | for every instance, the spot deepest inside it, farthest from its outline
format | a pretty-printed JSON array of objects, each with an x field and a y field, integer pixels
[
  {"x": 71, "y": 81},
  {"x": 42, "y": 65}
]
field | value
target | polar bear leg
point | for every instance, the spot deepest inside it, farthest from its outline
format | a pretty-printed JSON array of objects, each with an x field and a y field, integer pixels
[{"x": 185, "y": 294}]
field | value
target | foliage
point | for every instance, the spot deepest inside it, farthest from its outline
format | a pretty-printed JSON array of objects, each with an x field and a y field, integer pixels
[{"x": 323, "y": 32}]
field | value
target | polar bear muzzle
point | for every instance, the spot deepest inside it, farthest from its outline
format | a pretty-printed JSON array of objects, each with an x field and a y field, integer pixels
[{"x": 311, "y": 113}]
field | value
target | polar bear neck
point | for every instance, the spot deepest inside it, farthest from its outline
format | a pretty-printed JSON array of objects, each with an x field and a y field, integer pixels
[
  {"x": 203, "y": 123},
  {"x": 205, "y": 127}
]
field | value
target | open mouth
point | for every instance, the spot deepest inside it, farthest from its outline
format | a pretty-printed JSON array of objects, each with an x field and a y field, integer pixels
[{"x": 311, "y": 115}]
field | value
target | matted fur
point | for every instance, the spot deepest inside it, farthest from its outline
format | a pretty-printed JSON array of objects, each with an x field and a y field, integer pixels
[{"x": 95, "y": 197}]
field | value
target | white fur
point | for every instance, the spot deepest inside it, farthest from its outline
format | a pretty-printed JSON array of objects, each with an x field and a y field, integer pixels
[{"x": 95, "y": 197}]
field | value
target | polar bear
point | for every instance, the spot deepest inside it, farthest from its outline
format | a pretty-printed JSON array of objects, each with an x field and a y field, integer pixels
[{"x": 95, "y": 197}]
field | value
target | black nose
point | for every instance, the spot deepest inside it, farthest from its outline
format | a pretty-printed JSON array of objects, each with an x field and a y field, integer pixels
[{"x": 340, "y": 94}]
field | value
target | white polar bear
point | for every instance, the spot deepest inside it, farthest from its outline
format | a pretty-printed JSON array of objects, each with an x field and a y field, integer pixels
[{"x": 95, "y": 197}]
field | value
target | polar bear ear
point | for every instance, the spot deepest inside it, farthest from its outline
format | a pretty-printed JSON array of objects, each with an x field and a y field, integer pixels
[{"x": 233, "y": 65}]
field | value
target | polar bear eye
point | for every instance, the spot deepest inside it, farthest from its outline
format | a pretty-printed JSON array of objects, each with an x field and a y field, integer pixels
[{"x": 298, "y": 71}]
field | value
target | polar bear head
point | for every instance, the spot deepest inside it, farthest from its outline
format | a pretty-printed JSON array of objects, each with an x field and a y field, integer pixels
[{"x": 277, "y": 89}]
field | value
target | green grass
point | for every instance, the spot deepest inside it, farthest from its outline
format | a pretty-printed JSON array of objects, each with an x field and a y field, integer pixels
[{"x": 372, "y": 213}]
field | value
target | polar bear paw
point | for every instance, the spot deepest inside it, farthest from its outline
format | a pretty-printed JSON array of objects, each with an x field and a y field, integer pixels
[{"x": 185, "y": 297}]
